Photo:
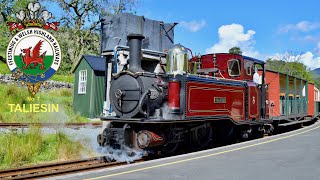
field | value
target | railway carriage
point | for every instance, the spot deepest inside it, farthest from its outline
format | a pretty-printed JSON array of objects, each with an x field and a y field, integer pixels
[
  {"x": 162, "y": 104},
  {"x": 290, "y": 99}
]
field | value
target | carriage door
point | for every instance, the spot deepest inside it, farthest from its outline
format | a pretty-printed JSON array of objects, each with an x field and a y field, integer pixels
[
  {"x": 253, "y": 100},
  {"x": 267, "y": 103}
]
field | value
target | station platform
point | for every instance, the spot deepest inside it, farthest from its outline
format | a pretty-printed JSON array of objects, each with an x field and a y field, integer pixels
[{"x": 292, "y": 155}]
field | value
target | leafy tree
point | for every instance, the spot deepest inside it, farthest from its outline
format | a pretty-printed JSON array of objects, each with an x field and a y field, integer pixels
[
  {"x": 7, "y": 10},
  {"x": 235, "y": 50},
  {"x": 80, "y": 21},
  {"x": 289, "y": 63},
  {"x": 315, "y": 79}
]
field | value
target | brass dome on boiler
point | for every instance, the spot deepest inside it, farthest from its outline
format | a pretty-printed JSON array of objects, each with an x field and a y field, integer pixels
[{"x": 177, "y": 60}]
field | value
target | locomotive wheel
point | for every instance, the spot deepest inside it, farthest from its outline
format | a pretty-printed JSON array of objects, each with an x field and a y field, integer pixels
[
  {"x": 202, "y": 136},
  {"x": 169, "y": 148}
]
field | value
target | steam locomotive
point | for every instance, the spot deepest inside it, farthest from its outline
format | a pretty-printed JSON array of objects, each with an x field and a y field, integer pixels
[{"x": 190, "y": 101}]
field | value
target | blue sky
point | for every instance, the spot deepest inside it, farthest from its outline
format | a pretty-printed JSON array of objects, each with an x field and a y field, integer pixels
[{"x": 261, "y": 28}]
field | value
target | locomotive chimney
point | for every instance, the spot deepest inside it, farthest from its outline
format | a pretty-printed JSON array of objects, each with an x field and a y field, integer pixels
[{"x": 135, "y": 44}]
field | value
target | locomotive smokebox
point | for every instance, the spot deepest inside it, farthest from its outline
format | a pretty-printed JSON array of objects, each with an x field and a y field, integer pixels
[{"x": 135, "y": 44}]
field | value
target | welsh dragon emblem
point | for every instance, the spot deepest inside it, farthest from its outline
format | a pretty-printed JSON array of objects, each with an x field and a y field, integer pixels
[{"x": 31, "y": 60}]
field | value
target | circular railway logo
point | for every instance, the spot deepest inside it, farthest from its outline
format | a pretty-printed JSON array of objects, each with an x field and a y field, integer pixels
[
  {"x": 34, "y": 52},
  {"x": 33, "y": 55}
]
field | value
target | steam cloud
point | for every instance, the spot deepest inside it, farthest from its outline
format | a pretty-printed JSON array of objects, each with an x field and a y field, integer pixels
[
  {"x": 166, "y": 115},
  {"x": 124, "y": 154}
]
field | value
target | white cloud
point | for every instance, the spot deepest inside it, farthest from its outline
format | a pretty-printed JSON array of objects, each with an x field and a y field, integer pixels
[
  {"x": 307, "y": 58},
  {"x": 310, "y": 61},
  {"x": 193, "y": 26},
  {"x": 234, "y": 35},
  {"x": 304, "y": 26}
]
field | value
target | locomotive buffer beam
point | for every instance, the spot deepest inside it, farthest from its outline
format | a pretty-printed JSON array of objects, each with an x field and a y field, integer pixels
[{"x": 114, "y": 137}]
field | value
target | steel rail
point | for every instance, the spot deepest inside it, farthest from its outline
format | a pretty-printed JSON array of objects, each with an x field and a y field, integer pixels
[
  {"x": 58, "y": 168},
  {"x": 70, "y": 125}
]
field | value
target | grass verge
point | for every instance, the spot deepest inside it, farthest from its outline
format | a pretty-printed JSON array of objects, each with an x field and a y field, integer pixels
[
  {"x": 32, "y": 147},
  {"x": 14, "y": 95},
  {"x": 63, "y": 78}
]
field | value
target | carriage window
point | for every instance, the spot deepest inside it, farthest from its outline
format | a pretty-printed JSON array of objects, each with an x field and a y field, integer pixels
[
  {"x": 248, "y": 68},
  {"x": 233, "y": 67}
]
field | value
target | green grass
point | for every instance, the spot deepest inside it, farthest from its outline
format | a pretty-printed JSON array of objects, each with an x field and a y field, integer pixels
[
  {"x": 32, "y": 147},
  {"x": 18, "y": 95},
  {"x": 63, "y": 78},
  {"x": 11, "y": 94},
  {"x": 4, "y": 68}
]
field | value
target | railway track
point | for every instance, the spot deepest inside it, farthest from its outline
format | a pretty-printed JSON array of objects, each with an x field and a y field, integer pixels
[
  {"x": 69, "y": 125},
  {"x": 69, "y": 167},
  {"x": 58, "y": 168}
]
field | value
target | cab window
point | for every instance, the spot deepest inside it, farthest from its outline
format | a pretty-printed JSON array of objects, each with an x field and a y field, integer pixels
[
  {"x": 248, "y": 68},
  {"x": 233, "y": 67}
]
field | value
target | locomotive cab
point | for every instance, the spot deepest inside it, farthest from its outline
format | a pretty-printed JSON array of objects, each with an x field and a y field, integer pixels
[
  {"x": 236, "y": 68},
  {"x": 227, "y": 66}
]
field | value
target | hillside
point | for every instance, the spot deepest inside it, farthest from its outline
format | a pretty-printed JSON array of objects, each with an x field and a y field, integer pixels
[{"x": 316, "y": 71}]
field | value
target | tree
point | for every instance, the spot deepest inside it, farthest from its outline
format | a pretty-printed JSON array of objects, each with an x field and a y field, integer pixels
[
  {"x": 235, "y": 50},
  {"x": 315, "y": 79},
  {"x": 7, "y": 10},
  {"x": 80, "y": 26},
  {"x": 289, "y": 63}
]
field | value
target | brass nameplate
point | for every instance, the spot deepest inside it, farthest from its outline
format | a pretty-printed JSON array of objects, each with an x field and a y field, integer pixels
[{"x": 220, "y": 100}]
